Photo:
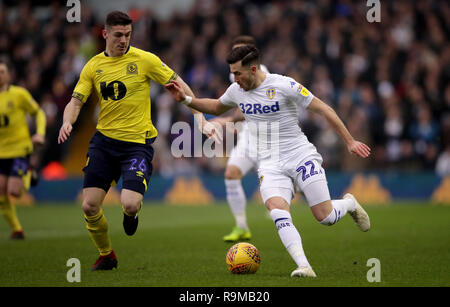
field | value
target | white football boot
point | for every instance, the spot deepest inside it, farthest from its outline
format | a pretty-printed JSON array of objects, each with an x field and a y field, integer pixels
[
  {"x": 359, "y": 215},
  {"x": 303, "y": 271}
]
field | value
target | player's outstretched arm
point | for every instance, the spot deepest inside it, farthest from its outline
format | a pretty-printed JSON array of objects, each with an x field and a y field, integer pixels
[
  {"x": 353, "y": 146},
  {"x": 206, "y": 127},
  {"x": 205, "y": 105},
  {"x": 237, "y": 116},
  {"x": 71, "y": 113}
]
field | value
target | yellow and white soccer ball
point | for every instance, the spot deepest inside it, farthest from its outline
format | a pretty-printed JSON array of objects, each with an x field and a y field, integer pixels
[{"x": 243, "y": 258}]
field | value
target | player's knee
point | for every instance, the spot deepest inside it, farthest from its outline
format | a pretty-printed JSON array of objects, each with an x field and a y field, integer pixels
[
  {"x": 131, "y": 206},
  {"x": 15, "y": 191},
  {"x": 276, "y": 203},
  {"x": 3, "y": 190},
  {"x": 14, "y": 186},
  {"x": 90, "y": 207},
  {"x": 131, "y": 201},
  {"x": 233, "y": 173}
]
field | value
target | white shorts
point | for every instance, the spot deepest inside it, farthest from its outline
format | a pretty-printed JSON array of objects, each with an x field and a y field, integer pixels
[
  {"x": 307, "y": 175},
  {"x": 240, "y": 155}
]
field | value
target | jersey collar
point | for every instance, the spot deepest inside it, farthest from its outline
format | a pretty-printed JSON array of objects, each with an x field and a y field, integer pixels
[
  {"x": 106, "y": 54},
  {"x": 7, "y": 88}
]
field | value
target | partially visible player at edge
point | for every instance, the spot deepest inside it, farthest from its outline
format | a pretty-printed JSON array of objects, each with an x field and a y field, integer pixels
[
  {"x": 272, "y": 98},
  {"x": 239, "y": 163},
  {"x": 120, "y": 77},
  {"x": 16, "y": 146}
]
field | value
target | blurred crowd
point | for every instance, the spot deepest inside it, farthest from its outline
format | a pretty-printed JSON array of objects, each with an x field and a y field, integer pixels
[{"x": 388, "y": 80}]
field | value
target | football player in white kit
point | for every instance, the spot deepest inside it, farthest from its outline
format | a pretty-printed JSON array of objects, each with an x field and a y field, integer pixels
[
  {"x": 239, "y": 163},
  {"x": 269, "y": 103}
]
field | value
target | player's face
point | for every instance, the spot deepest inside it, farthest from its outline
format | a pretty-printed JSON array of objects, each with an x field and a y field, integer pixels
[
  {"x": 117, "y": 39},
  {"x": 244, "y": 75},
  {"x": 4, "y": 75}
]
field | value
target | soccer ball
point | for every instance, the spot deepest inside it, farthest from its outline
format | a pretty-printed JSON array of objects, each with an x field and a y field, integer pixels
[{"x": 243, "y": 258}]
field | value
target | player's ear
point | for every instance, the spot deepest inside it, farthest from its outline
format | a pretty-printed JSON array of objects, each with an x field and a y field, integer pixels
[{"x": 104, "y": 33}]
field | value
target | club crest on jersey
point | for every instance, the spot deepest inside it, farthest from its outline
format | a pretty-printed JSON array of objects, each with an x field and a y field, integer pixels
[
  {"x": 132, "y": 69},
  {"x": 271, "y": 93}
]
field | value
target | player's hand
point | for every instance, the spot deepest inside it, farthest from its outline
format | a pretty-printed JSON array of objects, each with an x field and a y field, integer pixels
[
  {"x": 64, "y": 132},
  {"x": 176, "y": 90},
  {"x": 359, "y": 149},
  {"x": 212, "y": 130},
  {"x": 38, "y": 139}
]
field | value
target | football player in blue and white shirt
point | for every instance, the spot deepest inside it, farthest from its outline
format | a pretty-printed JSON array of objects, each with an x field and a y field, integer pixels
[{"x": 269, "y": 103}]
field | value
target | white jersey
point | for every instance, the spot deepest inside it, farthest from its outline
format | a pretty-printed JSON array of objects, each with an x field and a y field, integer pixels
[
  {"x": 244, "y": 123},
  {"x": 271, "y": 111}
]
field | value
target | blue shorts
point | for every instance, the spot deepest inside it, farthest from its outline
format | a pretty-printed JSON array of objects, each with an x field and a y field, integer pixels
[
  {"x": 15, "y": 167},
  {"x": 109, "y": 159}
]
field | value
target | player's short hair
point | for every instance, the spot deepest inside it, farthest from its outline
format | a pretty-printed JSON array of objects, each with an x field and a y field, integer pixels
[
  {"x": 5, "y": 60},
  {"x": 248, "y": 54},
  {"x": 118, "y": 18},
  {"x": 244, "y": 40}
]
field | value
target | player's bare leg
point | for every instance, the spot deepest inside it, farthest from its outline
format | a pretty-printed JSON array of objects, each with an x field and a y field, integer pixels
[
  {"x": 322, "y": 211},
  {"x": 289, "y": 235},
  {"x": 237, "y": 201},
  {"x": 92, "y": 200},
  {"x": 131, "y": 204},
  {"x": 98, "y": 228},
  {"x": 15, "y": 186}
]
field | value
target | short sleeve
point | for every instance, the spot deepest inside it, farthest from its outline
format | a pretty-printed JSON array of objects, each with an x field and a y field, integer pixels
[
  {"x": 84, "y": 85},
  {"x": 228, "y": 98},
  {"x": 297, "y": 93},
  {"x": 157, "y": 70},
  {"x": 28, "y": 103}
]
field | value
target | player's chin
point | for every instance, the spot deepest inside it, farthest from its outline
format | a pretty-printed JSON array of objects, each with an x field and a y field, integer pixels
[
  {"x": 243, "y": 87},
  {"x": 121, "y": 50}
]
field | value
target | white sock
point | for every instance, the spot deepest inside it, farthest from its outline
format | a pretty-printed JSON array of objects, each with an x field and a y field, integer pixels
[
  {"x": 289, "y": 236},
  {"x": 237, "y": 201},
  {"x": 340, "y": 208}
]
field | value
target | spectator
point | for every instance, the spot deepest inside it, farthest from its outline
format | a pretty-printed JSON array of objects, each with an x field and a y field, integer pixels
[{"x": 391, "y": 78}]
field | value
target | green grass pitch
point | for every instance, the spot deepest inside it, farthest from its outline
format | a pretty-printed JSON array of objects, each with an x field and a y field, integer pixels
[{"x": 182, "y": 247}]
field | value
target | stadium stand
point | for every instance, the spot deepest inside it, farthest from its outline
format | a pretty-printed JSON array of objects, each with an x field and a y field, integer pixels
[{"x": 389, "y": 81}]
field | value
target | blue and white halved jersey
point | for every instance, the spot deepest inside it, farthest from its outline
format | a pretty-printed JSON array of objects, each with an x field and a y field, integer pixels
[{"x": 271, "y": 112}]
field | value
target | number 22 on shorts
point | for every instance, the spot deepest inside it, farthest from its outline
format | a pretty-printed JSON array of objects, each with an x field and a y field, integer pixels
[{"x": 307, "y": 170}]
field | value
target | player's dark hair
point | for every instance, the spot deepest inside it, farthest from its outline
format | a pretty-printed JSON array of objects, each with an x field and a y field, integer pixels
[
  {"x": 244, "y": 40},
  {"x": 247, "y": 54},
  {"x": 5, "y": 60},
  {"x": 117, "y": 18}
]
